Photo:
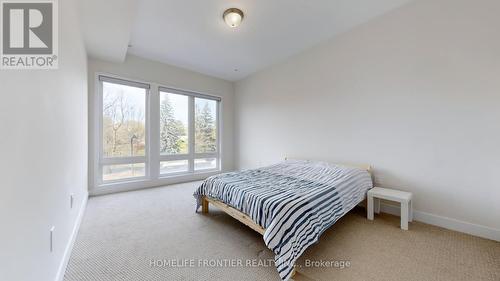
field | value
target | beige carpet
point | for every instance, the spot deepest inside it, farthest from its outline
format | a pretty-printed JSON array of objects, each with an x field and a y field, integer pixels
[{"x": 122, "y": 233}]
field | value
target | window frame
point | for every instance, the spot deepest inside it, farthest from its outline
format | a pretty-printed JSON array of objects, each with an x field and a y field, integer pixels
[
  {"x": 152, "y": 157},
  {"x": 104, "y": 161},
  {"x": 191, "y": 156}
]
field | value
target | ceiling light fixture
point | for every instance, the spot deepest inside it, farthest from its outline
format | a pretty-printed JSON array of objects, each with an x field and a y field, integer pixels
[{"x": 233, "y": 17}]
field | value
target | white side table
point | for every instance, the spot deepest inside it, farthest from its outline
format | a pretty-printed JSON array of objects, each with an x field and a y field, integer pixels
[{"x": 403, "y": 197}]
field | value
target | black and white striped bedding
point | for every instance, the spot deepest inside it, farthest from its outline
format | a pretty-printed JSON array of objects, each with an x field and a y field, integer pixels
[{"x": 295, "y": 201}]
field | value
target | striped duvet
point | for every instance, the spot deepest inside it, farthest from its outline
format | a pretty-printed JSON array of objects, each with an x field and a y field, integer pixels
[{"x": 295, "y": 201}]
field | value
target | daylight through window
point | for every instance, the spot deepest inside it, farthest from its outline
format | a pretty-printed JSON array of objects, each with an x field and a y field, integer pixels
[{"x": 150, "y": 133}]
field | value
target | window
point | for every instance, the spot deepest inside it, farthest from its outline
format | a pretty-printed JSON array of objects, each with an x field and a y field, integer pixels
[
  {"x": 123, "y": 129},
  {"x": 205, "y": 164},
  {"x": 174, "y": 124},
  {"x": 205, "y": 134},
  {"x": 172, "y": 167},
  {"x": 205, "y": 126},
  {"x": 118, "y": 172},
  {"x": 188, "y": 132},
  {"x": 148, "y": 132}
]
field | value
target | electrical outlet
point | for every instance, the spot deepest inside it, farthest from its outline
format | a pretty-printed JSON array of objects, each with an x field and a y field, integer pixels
[
  {"x": 71, "y": 201},
  {"x": 51, "y": 246}
]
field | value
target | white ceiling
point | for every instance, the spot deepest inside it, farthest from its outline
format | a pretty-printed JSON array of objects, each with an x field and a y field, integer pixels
[
  {"x": 191, "y": 33},
  {"x": 106, "y": 27}
]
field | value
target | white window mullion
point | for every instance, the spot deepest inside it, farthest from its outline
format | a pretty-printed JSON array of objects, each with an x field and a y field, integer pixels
[
  {"x": 191, "y": 134},
  {"x": 174, "y": 157},
  {"x": 123, "y": 160},
  {"x": 206, "y": 155},
  {"x": 154, "y": 129},
  {"x": 98, "y": 145},
  {"x": 217, "y": 134}
]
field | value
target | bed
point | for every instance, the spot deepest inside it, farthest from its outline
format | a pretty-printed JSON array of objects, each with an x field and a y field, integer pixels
[{"x": 290, "y": 203}]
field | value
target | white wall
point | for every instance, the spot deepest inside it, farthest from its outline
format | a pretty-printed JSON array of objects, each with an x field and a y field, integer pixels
[
  {"x": 43, "y": 145},
  {"x": 415, "y": 93},
  {"x": 149, "y": 71}
]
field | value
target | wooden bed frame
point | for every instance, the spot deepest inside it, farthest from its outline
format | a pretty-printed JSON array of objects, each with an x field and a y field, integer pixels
[{"x": 242, "y": 217}]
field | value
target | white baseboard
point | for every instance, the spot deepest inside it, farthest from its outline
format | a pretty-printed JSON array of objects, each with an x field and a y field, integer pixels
[
  {"x": 71, "y": 242},
  {"x": 445, "y": 222}
]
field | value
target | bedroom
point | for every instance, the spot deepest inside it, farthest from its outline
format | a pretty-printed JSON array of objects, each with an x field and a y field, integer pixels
[{"x": 323, "y": 140}]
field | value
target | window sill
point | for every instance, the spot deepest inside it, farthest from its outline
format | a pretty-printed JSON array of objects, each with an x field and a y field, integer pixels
[
  {"x": 180, "y": 174},
  {"x": 135, "y": 184}
]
